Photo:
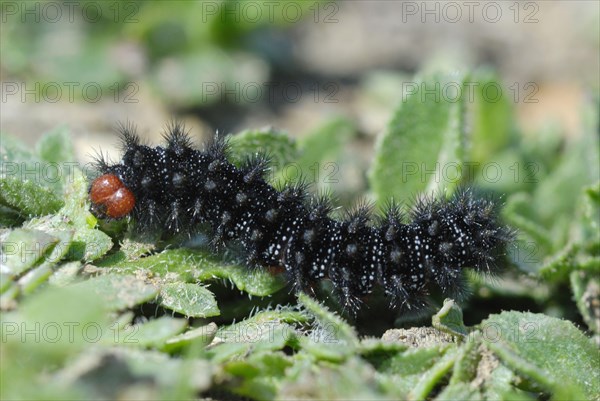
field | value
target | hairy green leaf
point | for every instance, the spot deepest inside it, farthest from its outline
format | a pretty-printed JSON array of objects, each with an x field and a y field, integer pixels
[
  {"x": 550, "y": 351},
  {"x": 119, "y": 292},
  {"x": 422, "y": 147},
  {"x": 278, "y": 146},
  {"x": 190, "y": 300},
  {"x": 187, "y": 265},
  {"x": 28, "y": 198}
]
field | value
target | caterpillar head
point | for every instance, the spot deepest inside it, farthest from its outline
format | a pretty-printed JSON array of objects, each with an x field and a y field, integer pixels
[{"x": 110, "y": 197}]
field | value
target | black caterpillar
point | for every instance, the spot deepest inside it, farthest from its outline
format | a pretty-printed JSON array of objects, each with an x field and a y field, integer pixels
[{"x": 176, "y": 188}]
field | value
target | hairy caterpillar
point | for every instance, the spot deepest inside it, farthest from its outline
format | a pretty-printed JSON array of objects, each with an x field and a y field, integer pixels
[{"x": 177, "y": 187}]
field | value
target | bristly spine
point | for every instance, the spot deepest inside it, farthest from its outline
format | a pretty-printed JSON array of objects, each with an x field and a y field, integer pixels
[{"x": 177, "y": 187}]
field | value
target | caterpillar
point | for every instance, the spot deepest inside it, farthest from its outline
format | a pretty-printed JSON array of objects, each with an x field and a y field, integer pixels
[{"x": 177, "y": 187}]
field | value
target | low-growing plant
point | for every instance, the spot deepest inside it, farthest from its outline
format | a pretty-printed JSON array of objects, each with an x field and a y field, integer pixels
[{"x": 93, "y": 310}]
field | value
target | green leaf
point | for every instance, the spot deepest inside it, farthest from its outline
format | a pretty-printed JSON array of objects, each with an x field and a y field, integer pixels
[
  {"x": 568, "y": 179},
  {"x": 21, "y": 163},
  {"x": 10, "y": 217},
  {"x": 93, "y": 76},
  {"x": 450, "y": 319},
  {"x": 77, "y": 207},
  {"x": 341, "y": 331},
  {"x": 56, "y": 146},
  {"x": 65, "y": 274},
  {"x": 34, "y": 278},
  {"x": 133, "y": 249},
  {"x": 87, "y": 243},
  {"x": 422, "y": 147},
  {"x": 501, "y": 385},
  {"x": 50, "y": 167},
  {"x": 594, "y": 193},
  {"x": 16, "y": 156},
  {"x": 187, "y": 265},
  {"x": 90, "y": 244},
  {"x": 583, "y": 249},
  {"x": 378, "y": 351},
  {"x": 22, "y": 249},
  {"x": 414, "y": 361},
  {"x": 532, "y": 235},
  {"x": 260, "y": 374},
  {"x": 459, "y": 391},
  {"x": 153, "y": 333},
  {"x": 549, "y": 351},
  {"x": 5, "y": 282},
  {"x": 560, "y": 264},
  {"x": 266, "y": 331},
  {"x": 590, "y": 216},
  {"x": 227, "y": 29},
  {"x": 332, "y": 339},
  {"x": 263, "y": 318},
  {"x": 61, "y": 321},
  {"x": 169, "y": 374},
  {"x": 492, "y": 129},
  {"x": 190, "y": 300},
  {"x": 467, "y": 360},
  {"x": 184, "y": 79},
  {"x": 325, "y": 143},
  {"x": 410, "y": 367},
  {"x": 44, "y": 269},
  {"x": 277, "y": 145},
  {"x": 61, "y": 249},
  {"x": 10, "y": 293},
  {"x": 323, "y": 345},
  {"x": 586, "y": 291},
  {"x": 119, "y": 292},
  {"x": 201, "y": 336},
  {"x": 322, "y": 161},
  {"x": 354, "y": 379},
  {"x": 506, "y": 172},
  {"x": 433, "y": 376},
  {"x": 227, "y": 351},
  {"x": 28, "y": 198}
]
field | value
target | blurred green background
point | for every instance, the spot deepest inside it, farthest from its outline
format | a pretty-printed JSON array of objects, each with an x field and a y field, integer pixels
[{"x": 234, "y": 65}]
